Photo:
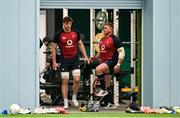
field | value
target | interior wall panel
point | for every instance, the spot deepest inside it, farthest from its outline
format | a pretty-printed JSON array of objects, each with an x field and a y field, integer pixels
[
  {"x": 162, "y": 53},
  {"x": 147, "y": 63},
  {"x": 10, "y": 53},
  {"x": 27, "y": 55},
  {"x": 87, "y": 4},
  {"x": 175, "y": 52},
  {"x": 18, "y": 44}
]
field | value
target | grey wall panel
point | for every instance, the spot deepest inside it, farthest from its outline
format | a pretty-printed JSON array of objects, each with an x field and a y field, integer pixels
[
  {"x": 161, "y": 53},
  {"x": 18, "y": 42},
  {"x": 1, "y": 69},
  {"x": 10, "y": 52},
  {"x": 27, "y": 49},
  {"x": 161, "y": 44},
  {"x": 175, "y": 52},
  {"x": 87, "y": 4},
  {"x": 147, "y": 85}
]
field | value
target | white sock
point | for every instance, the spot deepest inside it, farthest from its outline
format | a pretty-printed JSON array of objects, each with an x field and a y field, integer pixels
[
  {"x": 65, "y": 102},
  {"x": 74, "y": 97}
]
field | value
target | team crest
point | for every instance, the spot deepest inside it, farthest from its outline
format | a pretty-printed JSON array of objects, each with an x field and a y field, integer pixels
[{"x": 63, "y": 38}]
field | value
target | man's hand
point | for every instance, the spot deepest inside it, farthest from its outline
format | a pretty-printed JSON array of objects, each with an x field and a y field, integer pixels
[
  {"x": 87, "y": 60},
  {"x": 91, "y": 59},
  {"x": 55, "y": 66}
]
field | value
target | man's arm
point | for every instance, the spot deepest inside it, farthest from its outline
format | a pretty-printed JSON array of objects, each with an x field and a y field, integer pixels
[
  {"x": 120, "y": 49},
  {"x": 83, "y": 51},
  {"x": 120, "y": 59},
  {"x": 54, "y": 46},
  {"x": 121, "y": 55}
]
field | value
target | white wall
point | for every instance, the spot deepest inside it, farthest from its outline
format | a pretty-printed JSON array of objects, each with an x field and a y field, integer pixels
[
  {"x": 175, "y": 52},
  {"x": 161, "y": 53},
  {"x": 18, "y": 40},
  {"x": 0, "y": 52}
]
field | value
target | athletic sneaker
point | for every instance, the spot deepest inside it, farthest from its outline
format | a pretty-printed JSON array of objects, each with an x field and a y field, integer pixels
[
  {"x": 52, "y": 111},
  {"x": 176, "y": 108},
  {"x": 40, "y": 110},
  {"x": 102, "y": 93},
  {"x": 25, "y": 111},
  {"x": 75, "y": 103},
  {"x": 164, "y": 110},
  {"x": 110, "y": 106},
  {"x": 66, "y": 104}
]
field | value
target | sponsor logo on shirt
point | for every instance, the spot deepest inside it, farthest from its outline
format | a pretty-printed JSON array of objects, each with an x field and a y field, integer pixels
[
  {"x": 103, "y": 47},
  {"x": 69, "y": 42}
]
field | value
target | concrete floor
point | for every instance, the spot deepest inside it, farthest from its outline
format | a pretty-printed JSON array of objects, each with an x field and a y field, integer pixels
[{"x": 121, "y": 107}]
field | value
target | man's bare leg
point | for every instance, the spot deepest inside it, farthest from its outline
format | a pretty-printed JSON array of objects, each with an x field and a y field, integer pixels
[
  {"x": 65, "y": 92},
  {"x": 108, "y": 80},
  {"x": 64, "y": 87},
  {"x": 76, "y": 85},
  {"x": 101, "y": 70}
]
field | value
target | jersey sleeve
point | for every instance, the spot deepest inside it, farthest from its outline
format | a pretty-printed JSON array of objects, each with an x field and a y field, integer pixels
[{"x": 117, "y": 42}]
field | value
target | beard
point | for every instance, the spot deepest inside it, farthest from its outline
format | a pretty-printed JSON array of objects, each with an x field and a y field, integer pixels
[{"x": 108, "y": 33}]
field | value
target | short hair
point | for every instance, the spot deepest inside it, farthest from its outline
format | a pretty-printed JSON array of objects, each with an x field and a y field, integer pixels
[
  {"x": 46, "y": 39},
  {"x": 67, "y": 19},
  {"x": 109, "y": 24}
]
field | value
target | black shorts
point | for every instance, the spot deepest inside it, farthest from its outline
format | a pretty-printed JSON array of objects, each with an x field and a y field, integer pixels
[
  {"x": 68, "y": 65},
  {"x": 111, "y": 65}
]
